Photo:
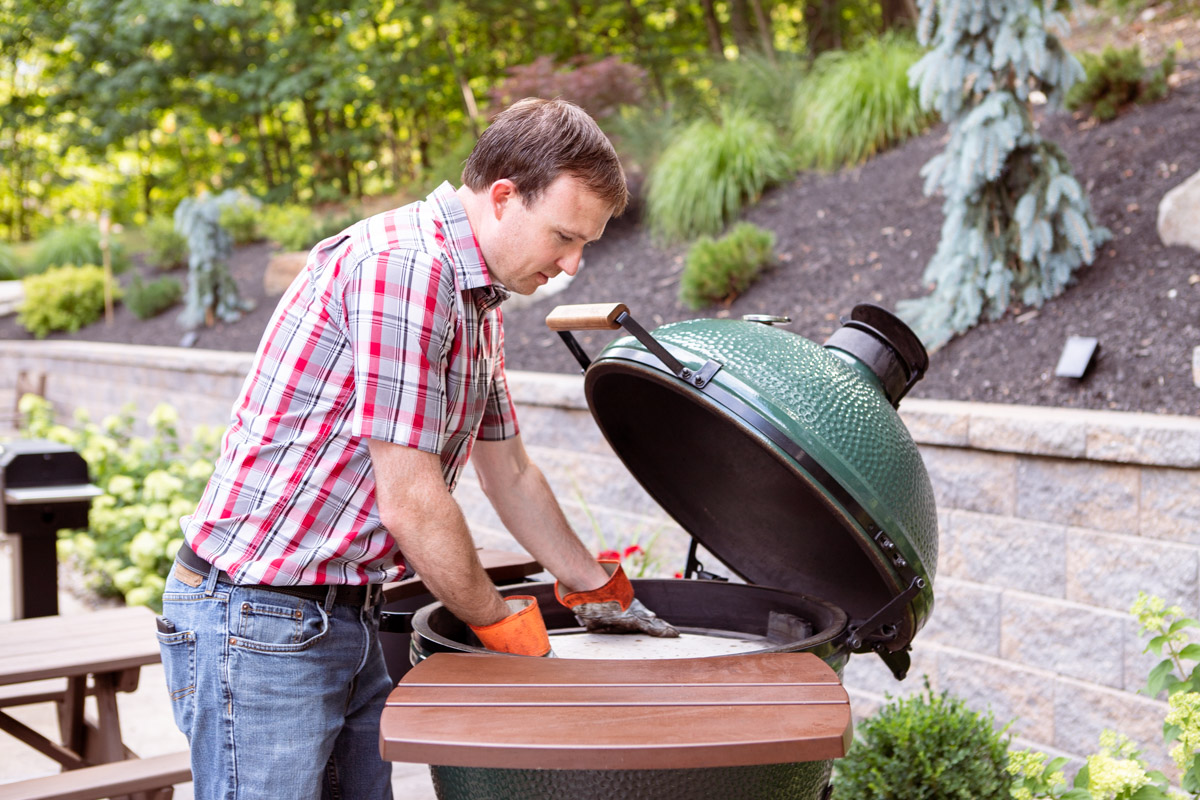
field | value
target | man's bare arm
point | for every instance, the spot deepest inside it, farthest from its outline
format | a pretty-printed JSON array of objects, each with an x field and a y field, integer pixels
[
  {"x": 427, "y": 524},
  {"x": 518, "y": 491}
]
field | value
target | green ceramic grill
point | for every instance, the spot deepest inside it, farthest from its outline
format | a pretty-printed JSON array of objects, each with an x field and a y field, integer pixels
[{"x": 787, "y": 461}]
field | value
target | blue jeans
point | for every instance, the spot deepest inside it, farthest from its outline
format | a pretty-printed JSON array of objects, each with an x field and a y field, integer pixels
[{"x": 279, "y": 696}]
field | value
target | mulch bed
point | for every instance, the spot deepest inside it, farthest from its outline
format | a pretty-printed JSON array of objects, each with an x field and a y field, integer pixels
[{"x": 865, "y": 235}]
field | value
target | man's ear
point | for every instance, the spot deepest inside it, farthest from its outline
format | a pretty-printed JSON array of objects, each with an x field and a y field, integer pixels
[{"x": 501, "y": 193}]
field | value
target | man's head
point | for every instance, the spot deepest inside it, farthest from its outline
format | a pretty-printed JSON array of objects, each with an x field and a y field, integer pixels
[
  {"x": 542, "y": 182},
  {"x": 535, "y": 141}
]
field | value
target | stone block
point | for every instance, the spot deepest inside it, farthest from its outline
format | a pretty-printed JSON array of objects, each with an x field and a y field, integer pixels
[
  {"x": 1065, "y": 638},
  {"x": 282, "y": 269},
  {"x": 866, "y": 673},
  {"x": 602, "y": 482},
  {"x": 1029, "y": 430},
  {"x": 1179, "y": 214},
  {"x": 1108, "y": 570},
  {"x": 965, "y": 616},
  {"x": 1151, "y": 439},
  {"x": 546, "y": 389},
  {"x": 972, "y": 480},
  {"x": 940, "y": 422},
  {"x": 1083, "y": 712},
  {"x": 1021, "y": 695},
  {"x": 561, "y": 429},
  {"x": 1170, "y": 505},
  {"x": 1099, "y": 496},
  {"x": 1009, "y": 553}
]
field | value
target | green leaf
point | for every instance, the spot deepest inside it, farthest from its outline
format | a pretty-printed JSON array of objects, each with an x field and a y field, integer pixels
[
  {"x": 1077, "y": 794},
  {"x": 1082, "y": 778},
  {"x": 1149, "y": 793},
  {"x": 1180, "y": 624},
  {"x": 1157, "y": 679},
  {"x": 1191, "y": 652}
]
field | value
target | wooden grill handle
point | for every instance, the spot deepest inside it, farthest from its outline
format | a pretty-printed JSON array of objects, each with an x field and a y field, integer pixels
[{"x": 586, "y": 317}]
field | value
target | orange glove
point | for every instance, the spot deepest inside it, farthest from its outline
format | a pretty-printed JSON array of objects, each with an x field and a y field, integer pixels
[
  {"x": 612, "y": 608},
  {"x": 522, "y": 632}
]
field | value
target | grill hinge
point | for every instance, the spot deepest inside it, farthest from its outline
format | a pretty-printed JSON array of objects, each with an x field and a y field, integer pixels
[{"x": 890, "y": 614}]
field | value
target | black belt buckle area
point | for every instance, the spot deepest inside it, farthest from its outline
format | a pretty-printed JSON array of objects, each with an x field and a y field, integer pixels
[{"x": 358, "y": 595}]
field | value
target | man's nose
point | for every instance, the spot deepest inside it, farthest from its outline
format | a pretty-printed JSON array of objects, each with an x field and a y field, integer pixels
[{"x": 570, "y": 262}]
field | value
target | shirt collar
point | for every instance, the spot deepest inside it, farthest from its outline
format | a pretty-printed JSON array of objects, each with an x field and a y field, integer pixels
[{"x": 463, "y": 247}]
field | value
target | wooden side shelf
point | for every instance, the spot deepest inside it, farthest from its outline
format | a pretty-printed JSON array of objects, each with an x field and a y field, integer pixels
[{"x": 469, "y": 710}]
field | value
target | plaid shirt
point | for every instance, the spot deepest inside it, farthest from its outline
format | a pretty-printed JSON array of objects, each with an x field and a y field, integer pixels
[{"x": 391, "y": 332}]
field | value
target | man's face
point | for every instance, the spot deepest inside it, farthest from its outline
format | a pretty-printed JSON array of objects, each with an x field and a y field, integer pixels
[{"x": 531, "y": 243}]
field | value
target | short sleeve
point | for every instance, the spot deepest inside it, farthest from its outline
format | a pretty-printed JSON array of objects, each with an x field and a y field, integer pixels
[{"x": 397, "y": 314}]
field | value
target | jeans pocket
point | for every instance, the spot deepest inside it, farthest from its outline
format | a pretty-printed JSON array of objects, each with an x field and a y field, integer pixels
[
  {"x": 179, "y": 667},
  {"x": 272, "y": 622}
]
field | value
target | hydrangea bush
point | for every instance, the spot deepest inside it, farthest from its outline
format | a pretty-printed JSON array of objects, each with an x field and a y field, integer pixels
[
  {"x": 148, "y": 482},
  {"x": 1117, "y": 771}
]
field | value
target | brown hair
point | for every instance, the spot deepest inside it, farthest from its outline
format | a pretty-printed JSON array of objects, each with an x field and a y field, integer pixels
[{"x": 534, "y": 141}]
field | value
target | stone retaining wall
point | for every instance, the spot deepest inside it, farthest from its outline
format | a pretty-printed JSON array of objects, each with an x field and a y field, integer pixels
[{"x": 1051, "y": 522}]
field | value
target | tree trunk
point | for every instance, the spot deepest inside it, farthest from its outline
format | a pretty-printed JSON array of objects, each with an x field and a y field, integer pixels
[
  {"x": 898, "y": 13},
  {"x": 317, "y": 152},
  {"x": 144, "y": 150},
  {"x": 638, "y": 31},
  {"x": 821, "y": 25},
  {"x": 739, "y": 21},
  {"x": 715, "y": 45},
  {"x": 264, "y": 153},
  {"x": 766, "y": 33}
]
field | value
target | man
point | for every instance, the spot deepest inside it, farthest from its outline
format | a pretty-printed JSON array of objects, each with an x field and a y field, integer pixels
[{"x": 381, "y": 372}]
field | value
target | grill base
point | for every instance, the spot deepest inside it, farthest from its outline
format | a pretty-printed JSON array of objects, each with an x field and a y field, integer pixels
[{"x": 806, "y": 780}]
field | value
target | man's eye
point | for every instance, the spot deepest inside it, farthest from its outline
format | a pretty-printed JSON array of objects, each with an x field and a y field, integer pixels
[{"x": 562, "y": 237}]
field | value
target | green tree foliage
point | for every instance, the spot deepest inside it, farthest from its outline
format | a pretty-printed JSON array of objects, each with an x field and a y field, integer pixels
[
  {"x": 1017, "y": 221},
  {"x": 134, "y": 106}
]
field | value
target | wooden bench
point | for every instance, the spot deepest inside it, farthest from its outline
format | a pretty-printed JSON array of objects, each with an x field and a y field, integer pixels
[{"x": 155, "y": 774}]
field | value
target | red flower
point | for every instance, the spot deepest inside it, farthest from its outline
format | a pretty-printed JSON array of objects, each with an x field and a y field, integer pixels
[
  {"x": 609, "y": 555},
  {"x": 678, "y": 574},
  {"x": 632, "y": 550}
]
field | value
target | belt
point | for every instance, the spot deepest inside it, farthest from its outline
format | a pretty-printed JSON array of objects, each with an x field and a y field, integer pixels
[{"x": 360, "y": 595}]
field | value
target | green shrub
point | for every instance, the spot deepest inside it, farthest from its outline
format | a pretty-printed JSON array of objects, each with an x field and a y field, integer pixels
[
  {"x": 723, "y": 268},
  {"x": 8, "y": 263},
  {"x": 858, "y": 103},
  {"x": 296, "y": 227},
  {"x": 1117, "y": 78},
  {"x": 63, "y": 299},
  {"x": 241, "y": 220},
  {"x": 705, "y": 177},
  {"x": 148, "y": 482},
  {"x": 147, "y": 300},
  {"x": 925, "y": 747},
  {"x": 74, "y": 245},
  {"x": 166, "y": 248}
]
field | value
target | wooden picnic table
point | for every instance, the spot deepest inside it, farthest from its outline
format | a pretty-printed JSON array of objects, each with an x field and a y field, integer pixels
[{"x": 65, "y": 659}]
